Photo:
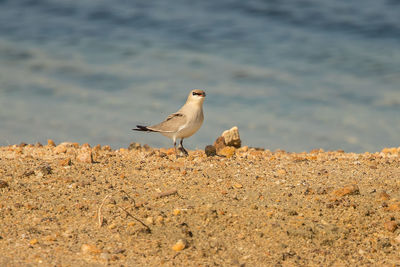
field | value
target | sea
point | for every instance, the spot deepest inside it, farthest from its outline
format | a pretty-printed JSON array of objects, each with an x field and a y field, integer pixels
[{"x": 290, "y": 74}]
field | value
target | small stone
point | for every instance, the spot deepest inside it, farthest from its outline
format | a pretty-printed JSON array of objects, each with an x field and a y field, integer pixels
[
  {"x": 227, "y": 151},
  {"x": 112, "y": 226},
  {"x": 3, "y": 184},
  {"x": 105, "y": 256},
  {"x": 347, "y": 190},
  {"x": 106, "y": 148},
  {"x": 397, "y": 239},
  {"x": 219, "y": 143},
  {"x": 51, "y": 143},
  {"x": 50, "y": 238},
  {"x": 232, "y": 137},
  {"x": 170, "y": 151},
  {"x": 123, "y": 150},
  {"x": 281, "y": 172},
  {"x": 389, "y": 150},
  {"x": 69, "y": 144},
  {"x": 160, "y": 219},
  {"x": 394, "y": 207},
  {"x": 97, "y": 148},
  {"x": 45, "y": 170},
  {"x": 237, "y": 186},
  {"x": 22, "y": 144},
  {"x": 179, "y": 245},
  {"x": 85, "y": 146},
  {"x": 146, "y": 147},
  {"x": 90, "y": 249},
  {"x": 134, "y": 146},
  {"x": 293, "y": 213},
  {"x": 150, "y": 220},
  {"x": 383, "y": 196},
  {"x": 33, "y": 241},
  {"x": 391, "y": 226},
  {"x": 65, "y": 162},
  {"x": 176, "y": 212},
  {"x": 38, "y": 144},
  {"x": 60, "y": 149},
  {"x": 85, "y": 157},
  {"x": 210, "y": 151},
  {"x": 244, "y": 149}
]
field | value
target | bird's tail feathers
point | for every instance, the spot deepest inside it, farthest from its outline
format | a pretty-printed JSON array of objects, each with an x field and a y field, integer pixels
[{"x": 142, "y": 129}]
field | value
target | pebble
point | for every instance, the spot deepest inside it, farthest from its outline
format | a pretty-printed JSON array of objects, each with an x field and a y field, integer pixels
[
  {"x": 33, "y": 241},
  {"x": 281, "y": 172},
  {"x": 3, "y": 184},
  {"x": 38, "y": 144},
  {"x": 65, "y": 162},
  {"x": 238, "y": 186},
  {"x": 219, "y": 143},
  {"x": 179, "y": 245},
  {"x": 69, "y": 144},
  {"x": 394, "y": 207},
  {"x": 106, "y": 148},
  {"x": 85, "y": 146},
  {"x": 383, "y": 196},
  {"x": 227, "y": 151},
  {"x": 160, "y": 219},
  {"x": 131, "y": 224},
  {"x": 112, "y": 226},
  {"x": 150, "y": 220},
  {"x": 105, "y": 256},
  {"x": 210, "y": 151},
  {"x": 134, "y": 146},
  {"x": 391, "y": 150},
  {"x": 347, "y": 190},
  {"x": 391, "y": 226},
  {"x": 60, "y": 149},
  {"x": 90, "y": 249},
  {"x": 232, "y": 137},
  {"x": 51, "y": 143},
  {"x": 85, "y": 157},
  {"x": 22, "y": 144},
  {"x": 176, "y": 212},
  {"x": 146, "y": 147},
  {"x": 244, "y": 149}
]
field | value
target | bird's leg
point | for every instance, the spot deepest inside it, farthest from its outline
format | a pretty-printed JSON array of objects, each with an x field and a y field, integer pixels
[
  {"x": 175, "y": 147},
  {"x": 181, "y": 148}
]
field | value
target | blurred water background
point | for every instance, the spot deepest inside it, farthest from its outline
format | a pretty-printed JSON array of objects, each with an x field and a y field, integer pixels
[{"x": 294, "y": 75}]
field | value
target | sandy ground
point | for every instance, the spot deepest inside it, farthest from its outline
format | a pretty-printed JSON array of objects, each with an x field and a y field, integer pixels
[{"x": 73, "y": 205}]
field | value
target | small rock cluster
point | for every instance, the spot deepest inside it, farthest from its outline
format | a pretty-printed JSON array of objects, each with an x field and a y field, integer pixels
[{"x": 226, "y": 144}]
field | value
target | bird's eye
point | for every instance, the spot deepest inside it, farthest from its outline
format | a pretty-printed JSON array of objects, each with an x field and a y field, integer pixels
[{"x": 194, "y": 93}]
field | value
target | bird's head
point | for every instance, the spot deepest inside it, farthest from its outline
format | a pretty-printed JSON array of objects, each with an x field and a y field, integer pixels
[{"x": 196, "y": 96}]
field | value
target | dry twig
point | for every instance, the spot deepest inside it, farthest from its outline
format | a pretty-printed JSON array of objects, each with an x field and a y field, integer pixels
[
  {"x": 100, "y": 217},
  {"x": 130, "y": 215},
  {"x": 167, "y": 193}
]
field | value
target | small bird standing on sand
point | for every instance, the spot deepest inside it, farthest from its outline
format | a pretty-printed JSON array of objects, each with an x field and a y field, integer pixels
[{"x": 183, "y": 123}]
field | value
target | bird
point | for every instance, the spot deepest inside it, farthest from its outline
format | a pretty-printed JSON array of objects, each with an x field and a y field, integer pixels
[{"x": 183, "y": 123}]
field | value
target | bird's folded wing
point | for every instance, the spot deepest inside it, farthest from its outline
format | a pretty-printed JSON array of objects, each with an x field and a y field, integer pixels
[{"x": 171, "y": 124}]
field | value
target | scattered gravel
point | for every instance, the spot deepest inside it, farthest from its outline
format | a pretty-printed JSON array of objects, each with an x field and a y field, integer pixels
[{"x": 73, "y": 205}]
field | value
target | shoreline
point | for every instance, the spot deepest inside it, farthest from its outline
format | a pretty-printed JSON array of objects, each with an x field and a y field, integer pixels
[{"x": 72, "y": 204}]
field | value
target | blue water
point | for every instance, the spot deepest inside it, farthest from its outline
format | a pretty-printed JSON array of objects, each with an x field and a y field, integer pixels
[{"x": 294, "y": 75}]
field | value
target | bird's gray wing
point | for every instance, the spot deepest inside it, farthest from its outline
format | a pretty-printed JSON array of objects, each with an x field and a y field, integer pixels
[{"x": 171, "y": 124}]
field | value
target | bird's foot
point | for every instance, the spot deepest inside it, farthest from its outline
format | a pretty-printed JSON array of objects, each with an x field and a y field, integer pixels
[{"x": 183, "y": 151}]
